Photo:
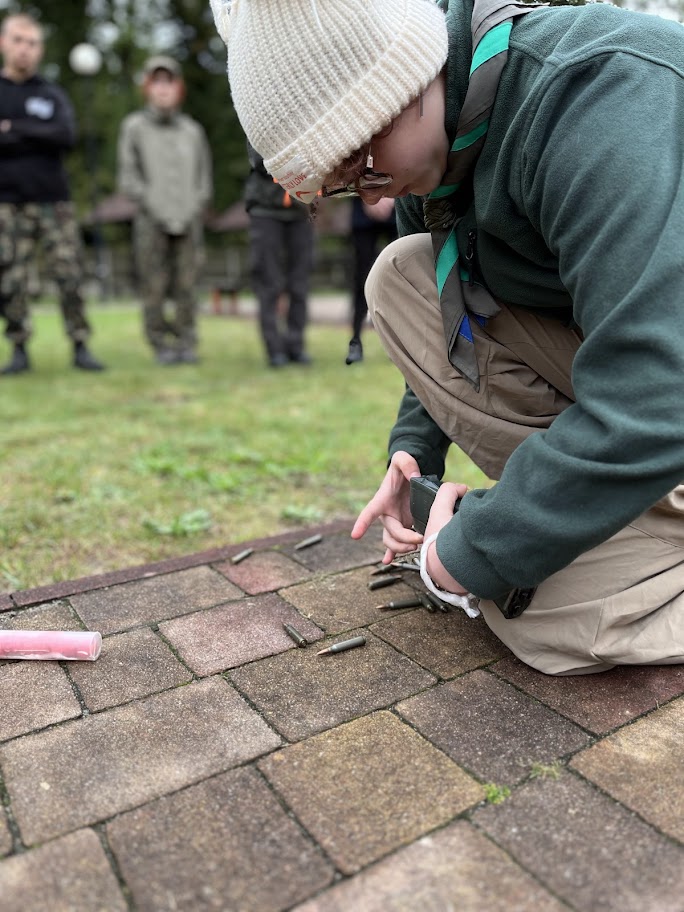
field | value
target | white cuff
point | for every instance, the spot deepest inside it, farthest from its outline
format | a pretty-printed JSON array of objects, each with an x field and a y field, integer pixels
[{"x": 460, "y": 601}]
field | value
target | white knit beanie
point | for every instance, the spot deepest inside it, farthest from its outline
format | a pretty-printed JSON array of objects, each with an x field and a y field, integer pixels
[{"x": 313, "y": 80}]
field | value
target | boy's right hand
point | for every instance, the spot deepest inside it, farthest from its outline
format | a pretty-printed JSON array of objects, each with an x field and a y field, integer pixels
[{"x": 391, "y": 505}]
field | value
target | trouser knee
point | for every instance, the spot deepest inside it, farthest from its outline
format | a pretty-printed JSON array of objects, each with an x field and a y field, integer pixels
[{"x": 400, "y": 262}]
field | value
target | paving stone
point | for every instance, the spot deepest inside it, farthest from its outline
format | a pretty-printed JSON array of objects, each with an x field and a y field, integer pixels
[
  {"x": 368, "y": 787},
  {"x": 67, "y": 588},
  {"x": 342, "y": 601},
  {"x": 454, "y": 869},
  {"x": 71, "y": 874},
  {"x": 641, "y": 765},
  {"x": 88, "y": 770},
  {"x": 586, "y": 848},
  {"x": 5, "y": 834},
  {"x": 339, "y": 552},
  {"x": 446, "y": 644},
  {"x": 491, "y": 728},
  {"x": 221, "y": 638},
  {"x": 50, "y": 616},
  {"x": 263, "y": 571},
  {"x": 301, "y": 692},
  {"x": 34, "y": 694},
  {"x": 598, "y": 702},
  {"x": 133, "y": 604},
  {"x": 131, "y": 665},
  {"x": 224, "y": 844}
]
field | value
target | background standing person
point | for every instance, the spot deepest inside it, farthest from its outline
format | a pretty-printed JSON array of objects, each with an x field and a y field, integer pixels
[
  {"x": 165, "y": 167},
  {"x": 371, "y": 226},
  {"x": 36, "y": 129},
  {"x": 281, "y": 241}
]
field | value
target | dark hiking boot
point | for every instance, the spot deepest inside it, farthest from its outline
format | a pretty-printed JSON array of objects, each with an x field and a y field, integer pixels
[
  {"x": 187, "y": 356},
  {"x": 355, "y": 352},
  {"x": 18, "y": 363},
  {"x": 83, "y": 359},
  {"x": 166, "y": 356},
  {"x": 278, "y": 360},
  {"x": 300, "y": 358}
]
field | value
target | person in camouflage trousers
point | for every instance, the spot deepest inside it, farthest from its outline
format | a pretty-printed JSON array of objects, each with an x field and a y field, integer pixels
[
  {"x": 168, "y": 264},
  {"x": 36, "y": 128},
  {"x": 165, "y": 167},
  {"x": 21, "y": 228}
]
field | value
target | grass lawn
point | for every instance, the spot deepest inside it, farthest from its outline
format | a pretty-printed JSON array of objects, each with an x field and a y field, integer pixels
[{"x": 140, "y": 463}]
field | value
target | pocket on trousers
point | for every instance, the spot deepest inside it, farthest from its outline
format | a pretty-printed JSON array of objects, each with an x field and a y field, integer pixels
[{"x": 516, "y": 391}]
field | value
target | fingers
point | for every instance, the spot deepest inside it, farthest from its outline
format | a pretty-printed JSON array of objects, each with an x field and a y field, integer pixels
[
  {"x": 442, "y": 511},
  {"x": 454, "y": 490},
  {"x": 406, "y": 464},
  {"x": 446, "y": 498},
  {"x": 366, "y": 518},
  {"x": 360, "y": 526},
  {"x": 402, "y": 467},
  {"x": 398, "y": 538}
]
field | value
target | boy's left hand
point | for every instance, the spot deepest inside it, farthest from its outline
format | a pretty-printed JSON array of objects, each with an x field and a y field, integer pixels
[{"x": 441, "y": 513}]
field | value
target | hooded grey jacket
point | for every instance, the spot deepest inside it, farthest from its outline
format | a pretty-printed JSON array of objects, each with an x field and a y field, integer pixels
[{"x": 165, "y": 166}]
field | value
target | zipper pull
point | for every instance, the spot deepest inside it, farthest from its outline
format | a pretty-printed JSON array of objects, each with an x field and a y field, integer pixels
[{"x": 470, "y": 255}]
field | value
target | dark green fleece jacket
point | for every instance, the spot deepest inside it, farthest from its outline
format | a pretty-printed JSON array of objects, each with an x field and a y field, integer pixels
[{"x": 579, "y": 209}]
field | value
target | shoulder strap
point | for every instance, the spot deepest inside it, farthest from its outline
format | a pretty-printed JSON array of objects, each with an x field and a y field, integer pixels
[
  {"x": 491, "y": 25},
  {"x": 492, "y": 21}
]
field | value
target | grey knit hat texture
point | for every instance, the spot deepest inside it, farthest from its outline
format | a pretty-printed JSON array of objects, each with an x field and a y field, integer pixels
[{"x": 313, "y": 80}]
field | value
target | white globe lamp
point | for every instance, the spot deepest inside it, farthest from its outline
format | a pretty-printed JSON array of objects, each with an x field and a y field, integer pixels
[{"x": 85, "y": 59}]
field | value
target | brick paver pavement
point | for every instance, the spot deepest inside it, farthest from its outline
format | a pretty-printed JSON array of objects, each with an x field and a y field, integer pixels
[{"x": 206, "y": 763}]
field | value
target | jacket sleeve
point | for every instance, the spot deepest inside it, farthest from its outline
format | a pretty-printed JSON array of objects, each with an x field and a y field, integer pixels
[
  {"x": 603, "y": 183},
  {"x": 130, "y": 179},
  {"x": 416, "y": 433},
  {"x": 205, "y": 184},
  {"x": 58, "y": 133}
]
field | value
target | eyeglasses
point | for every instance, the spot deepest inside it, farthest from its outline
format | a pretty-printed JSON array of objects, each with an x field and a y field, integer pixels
[{"x": 369, "y": 180}]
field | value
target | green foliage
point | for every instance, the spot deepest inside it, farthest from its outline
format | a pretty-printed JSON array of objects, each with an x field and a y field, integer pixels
[
  {"x": 302, "y": 515},
  {"x": 186, "y": 524},
  {"x": 495, "y": 794},
  {"x": 546, "y": 770},
  {"x": 10, "y": 576}
]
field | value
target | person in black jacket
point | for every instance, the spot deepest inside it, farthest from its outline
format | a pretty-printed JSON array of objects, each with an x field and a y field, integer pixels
[
  {"x": 371, "y": 228},
  {"x": 281, "y": 243},
  {"x": 36, "y": 128}
]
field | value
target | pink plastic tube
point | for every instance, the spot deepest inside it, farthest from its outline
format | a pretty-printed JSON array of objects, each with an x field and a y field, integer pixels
[{"x": 72, "y": 645}]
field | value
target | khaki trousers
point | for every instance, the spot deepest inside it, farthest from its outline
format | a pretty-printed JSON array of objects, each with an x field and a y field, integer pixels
[{"x": 621, "y": 603}]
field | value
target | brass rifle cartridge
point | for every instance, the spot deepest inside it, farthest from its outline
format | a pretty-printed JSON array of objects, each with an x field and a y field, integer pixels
[
  {"x": 386, "y": 568},
  {"x": 241, "y": 555},
  {"x": 295, "y": 635},
  {"x": 437, "y": 602},
  {"x": 307, "y": 542},
  {"x": 383, "y": 581},
  {"x": 427, "y": 604},
  {"x": 343, "y": 646},
  {"x": 412, "y": 602}
]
